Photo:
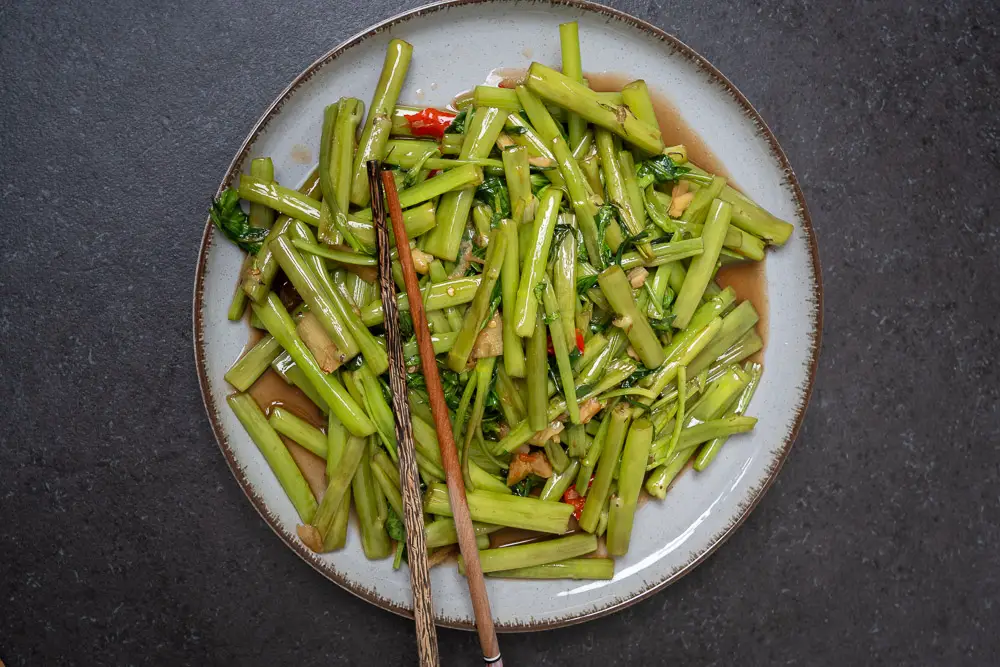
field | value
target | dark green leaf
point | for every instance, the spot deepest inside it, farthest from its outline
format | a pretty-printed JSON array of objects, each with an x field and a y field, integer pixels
[
  {"x": 524, "y": 487},
  {"x": 405, "y": 325},
  {"x": 663, "y": 324},
  {"x": 538, "y": 183},
  {"x": 457, "y": 126},
  {"x": 659, "y": 169},
  {"x": 234, "y": 223},
  {"x": 636, "y": 404},
  {"x": 416, "y": 380},
  {"x": 640, "y": 373},
  {"x": 585, "y": 283},
  {"x": 629, "y": 242},
  {"x": 606, "y": 215},
  {"x": 451, "y": 383},
  {"x": 558, "y": 234},
  {"x": 493, "y": 192},
  {"x": 395, "y": 527},
  {"x": 412, "y": 174}
]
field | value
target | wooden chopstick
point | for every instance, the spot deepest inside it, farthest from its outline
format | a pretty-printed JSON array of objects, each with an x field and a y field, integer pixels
[
  {"x": 442, "y": 423},
  {"x": 413, "y": 516}
]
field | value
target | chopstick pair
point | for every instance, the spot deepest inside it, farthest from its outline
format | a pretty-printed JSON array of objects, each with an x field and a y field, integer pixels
[{"x": 381, "y": 182}]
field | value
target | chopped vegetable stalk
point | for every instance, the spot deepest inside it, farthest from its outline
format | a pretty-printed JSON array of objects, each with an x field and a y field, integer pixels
[
  {"x": 317, "y": 534},
  {"x": 280, "y": 325},
  {"x": 569, "y": 41},
  {"x": 378, "y": 125},
  {"x": 574, "y": 96},
  {"x": 734, "y": 326},
  {"x": 636, "y": 97},
  {"x": 299, "y": 430},
  {"x": 336, "y": 439},
  {"x": 447, "y": 181},
  {"x": 616, "y": 288},
  {"x": 504, "y": 510},
  {"x": 435, "y": 297},
  {"x": 453, "y": 208},
  {"x": 556, "y": 485},
  {"x": 556, "y": 324},
  {"x": 260, "y": 275},
  {"x": 703, "y": 266},
  {"x": 571, "y": 568},
  {"x": 606, "y": 467},
  {"x": 518, "y": 175},
  {"x": 260, "y": 217},
  {"x": 535, "y": 258},
  {"x": 252, "y": 365},
  {"x": 633, "y": 470},
  {"x": 585, "y": 202},
  {"x": 614, "y": 181},
  {"x": 442, "y": 532},
  {"x": 479, "y": 310},
  {"x": 367, "y": 498},
  {"x": 535, "y": 372},
  {"x": 482, "y": 377},
  {"x": 711, "y": 448},
  {"x": 564, "y": 284},
  {"x": 535, "y": 553},
  {"x": 275, "y": 453},
  {"x": 311, "y": 290},
  {"x": 590, "y": 459},
  {"x": 513, "y": 348}
]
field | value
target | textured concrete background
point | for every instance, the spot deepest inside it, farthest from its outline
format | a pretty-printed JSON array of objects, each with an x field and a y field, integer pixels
[{"x": 124, "y": 539}]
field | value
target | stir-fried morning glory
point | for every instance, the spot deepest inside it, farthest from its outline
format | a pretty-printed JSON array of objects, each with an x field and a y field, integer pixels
[{"x": 570, "y": 256}]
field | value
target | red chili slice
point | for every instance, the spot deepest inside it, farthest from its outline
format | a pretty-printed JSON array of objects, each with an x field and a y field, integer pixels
[
  {"x": 579, "y": 340},
  {"x": 571, "y": 497},
  {"x": 429, "y": 122}
]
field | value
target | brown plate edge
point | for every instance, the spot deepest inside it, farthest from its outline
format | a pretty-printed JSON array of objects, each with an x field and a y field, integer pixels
[{"x": 198, "y": 324}]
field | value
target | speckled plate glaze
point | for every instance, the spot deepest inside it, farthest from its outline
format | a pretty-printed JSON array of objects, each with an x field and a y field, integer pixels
[{"x": 456, "y": 44}]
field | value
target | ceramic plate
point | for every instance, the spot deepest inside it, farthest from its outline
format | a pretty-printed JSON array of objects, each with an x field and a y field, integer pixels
[{"x": 456, "y": 45}]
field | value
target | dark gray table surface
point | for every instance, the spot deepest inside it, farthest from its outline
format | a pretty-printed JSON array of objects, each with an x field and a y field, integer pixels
[{"x": 124, "y": 539}]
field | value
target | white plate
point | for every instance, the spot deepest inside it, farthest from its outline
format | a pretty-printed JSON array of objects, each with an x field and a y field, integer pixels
[{"x": 456, "y": 45}]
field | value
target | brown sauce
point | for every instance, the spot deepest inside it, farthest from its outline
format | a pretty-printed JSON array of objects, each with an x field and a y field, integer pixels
[
  {"x": 270, "y": 391},
  {"x": 749, "y": 281}
]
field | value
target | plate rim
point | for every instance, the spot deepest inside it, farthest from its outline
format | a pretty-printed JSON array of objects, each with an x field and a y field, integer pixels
[{"x": 212, "y": 409}]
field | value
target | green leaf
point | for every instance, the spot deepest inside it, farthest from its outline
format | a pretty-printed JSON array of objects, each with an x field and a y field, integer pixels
[
  {"x": 659, "y": 169},
  {"x": 413, "y": 173},
  {"x": 405, "y": 325},
  {"x": 227, "y": 215},
  {"x": 584, "y": 284},
  {"x": 538, "y": 183},
  {"x": 558, "y": 234},
  {"x": 539, "y": 290},
  {"x": 629, "y": 242},
  {"x": 493, "y": 192},
  {"x": 524, "y": 487},
  {"x": 640, "y": 373},
  {"x": 663, "y": 324},
  {"x": 395, "y": 527},
  {"x": 457, "y": 125},
  {"x": 416, "y": 380},
  {"x": 451, "y": 383}
]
